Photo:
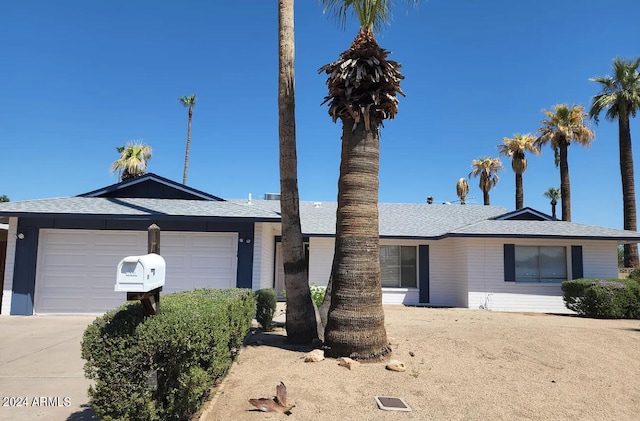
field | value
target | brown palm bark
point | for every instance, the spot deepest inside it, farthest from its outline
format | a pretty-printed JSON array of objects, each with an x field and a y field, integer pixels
[
  {"x": 486, "y": 198},
  {"x": 355, "y": 324},
  {"x": 554, "y": 202},
  {"x": 519, "y": 192},
  {"x": 301, "y": 316},
  {"x": 628, "y": 188},
  {"x": 565, "y": 186}
]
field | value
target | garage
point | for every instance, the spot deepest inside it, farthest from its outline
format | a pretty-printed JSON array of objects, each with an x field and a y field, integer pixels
[{"x": 76, "y": 269}]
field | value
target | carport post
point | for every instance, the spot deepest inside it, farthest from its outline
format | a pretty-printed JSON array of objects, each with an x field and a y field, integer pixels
[
  {"x": 150, "y": 300},
  {"x": 152, "y": 306}
]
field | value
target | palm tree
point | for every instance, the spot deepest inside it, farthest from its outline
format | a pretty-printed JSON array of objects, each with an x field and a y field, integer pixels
[
  {"x": 487, "y": 169},
  {"x": 189, "y": 102},
  {"x": 133, "y": 160},
  {"x": 620, "y": 95},
  {"x": 4, "y": 198},
  {"x": 363, "y": 86},
  {"x": 462, "y": 190},
  {"x": 515, "y": 148},
  {"x": 553, "y": 194},
  {"x": 300, "y": 316},
  {"x": 563, "y": 126}
]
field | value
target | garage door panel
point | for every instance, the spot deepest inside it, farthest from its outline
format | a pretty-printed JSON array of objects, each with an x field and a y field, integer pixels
[
  {"x": 62, "y": 261},
  {"x": 76, "y": 269}
]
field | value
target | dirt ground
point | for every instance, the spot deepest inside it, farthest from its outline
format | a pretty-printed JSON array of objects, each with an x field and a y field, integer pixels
[{"x": 461, "y": 365}]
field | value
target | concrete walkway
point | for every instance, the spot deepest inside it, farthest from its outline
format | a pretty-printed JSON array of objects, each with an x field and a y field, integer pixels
[{"x": 41, "y": 375}]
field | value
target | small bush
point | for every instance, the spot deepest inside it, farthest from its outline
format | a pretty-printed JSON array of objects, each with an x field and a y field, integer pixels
[
  {"x": 634, "y": 274},
  {"x": 317, "y": 294},
  {"x": 265, "y": 307},
  {"x": 162, "y": 367},
  {"x": 603, "y": 298}
]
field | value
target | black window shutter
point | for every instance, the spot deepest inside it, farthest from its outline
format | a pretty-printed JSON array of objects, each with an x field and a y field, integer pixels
[
  {"x": 576, "y": 262},
  {"x": 423, "y": 264},
  {"x": 509, "y": 263}
]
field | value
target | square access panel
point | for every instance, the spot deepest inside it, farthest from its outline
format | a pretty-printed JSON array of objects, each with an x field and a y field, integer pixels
[{"x": 389, "y": 403}]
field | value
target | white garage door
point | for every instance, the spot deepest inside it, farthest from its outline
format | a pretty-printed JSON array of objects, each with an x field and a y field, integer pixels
[{"x": 76, "y": 269}]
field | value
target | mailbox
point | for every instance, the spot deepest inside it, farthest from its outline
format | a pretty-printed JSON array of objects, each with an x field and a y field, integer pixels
[{"x": 140, "y": 273}]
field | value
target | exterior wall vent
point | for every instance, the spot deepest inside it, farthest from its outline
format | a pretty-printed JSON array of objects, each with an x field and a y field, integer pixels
[{"x": 272, "y": 196}]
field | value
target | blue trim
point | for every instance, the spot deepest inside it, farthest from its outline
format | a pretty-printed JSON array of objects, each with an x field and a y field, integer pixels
[
  {"x": 576, "y": 262},
  {"x": 24, "y": 274},
  {"x": 155, "y": 182},
  {"x": 423, "y": 276},
  {"x": 509, "y": 263},
  {"x": 244, "y": 278}
]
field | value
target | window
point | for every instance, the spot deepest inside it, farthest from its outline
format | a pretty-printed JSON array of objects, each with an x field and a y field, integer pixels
[
  {"x": 398, "y": 266},
  {"x": 540, "y": 264}
]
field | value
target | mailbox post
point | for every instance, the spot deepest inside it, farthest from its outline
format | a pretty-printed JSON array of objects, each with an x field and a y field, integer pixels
[{"x": 142, "y": 278}]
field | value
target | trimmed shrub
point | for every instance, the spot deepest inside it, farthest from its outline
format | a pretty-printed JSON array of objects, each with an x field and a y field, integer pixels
[
  {"x": 162, "y": 367},
  {"x": 317, "y": 294},
  {"x": 634, "y": 274},
  {"x": 265, "y": 307},
  {"x": 603, "y": 298}
]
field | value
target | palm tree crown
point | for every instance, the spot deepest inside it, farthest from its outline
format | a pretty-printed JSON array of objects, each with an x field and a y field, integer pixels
[
  {"x": 553, "y": 194},
  {"x": 487, "y": 169},
  {"x": 372, "y": 14},
  {"x": 620, "y": 95},
  {"x": 564, "y": 125},
  {"x": 462, "y": 190},
  {"x": 515, "y": 148},
  {"x": 133, "y": 160}
]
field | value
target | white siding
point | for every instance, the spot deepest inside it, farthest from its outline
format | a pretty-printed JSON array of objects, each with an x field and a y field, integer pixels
[
  {"x": 9, "y": 266},
  {"x": 447, "y": 274},
  {"x": 320, "y": 260},
  {"x": 600, "y": 259},
  {"x": 263, "y": 255},
  {"x": 486, "y": 275}
]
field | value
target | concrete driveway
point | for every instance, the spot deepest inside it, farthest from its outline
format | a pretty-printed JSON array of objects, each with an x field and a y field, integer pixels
[{"x": 41, "y": 374}]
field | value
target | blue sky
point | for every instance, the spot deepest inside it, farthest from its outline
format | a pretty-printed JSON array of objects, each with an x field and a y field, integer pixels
[{"x": 79, "y": 78}]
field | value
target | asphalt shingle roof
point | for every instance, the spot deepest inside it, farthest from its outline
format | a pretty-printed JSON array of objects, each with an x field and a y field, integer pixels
[
  {"x": 408, "y": 220},
  {"x": 546, "y": 229},
  {"x": 135, "y": 207}
]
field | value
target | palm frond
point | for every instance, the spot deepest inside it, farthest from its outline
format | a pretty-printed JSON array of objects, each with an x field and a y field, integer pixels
[
  {"x": 372, "y": 15},
  {"x": 620, "y": 93}
]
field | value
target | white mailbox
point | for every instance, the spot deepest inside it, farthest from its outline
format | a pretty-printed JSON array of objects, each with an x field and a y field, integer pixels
[{"x": 140, "y": 273}]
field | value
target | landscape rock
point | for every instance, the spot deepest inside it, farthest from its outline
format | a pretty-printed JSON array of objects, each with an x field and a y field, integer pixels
[
  {"x": 348, "y": 362},
  {"x": 314, "y": 356},
  {"x": 396, "y": 365}
]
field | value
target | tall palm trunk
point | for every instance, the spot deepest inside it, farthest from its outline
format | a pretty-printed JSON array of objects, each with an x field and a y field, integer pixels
[
  {"x": 628, "y": 188},
  {"x": 565, "y": 187},
  {"x": 355, "y": 324},
  {"x": 554, "y": 202},
  {"x": 519, "y": 191},
  {"x": 485, "y": 196},
  {"x": 186, "y": 154},
  {"x": 300, "y": 317}
]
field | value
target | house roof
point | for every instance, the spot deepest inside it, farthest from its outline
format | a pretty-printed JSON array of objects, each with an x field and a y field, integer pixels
[
  {"x": 130, "y": 200},
  {"x": 396, "y": 219},
  {"x": 150, "y": 186},
  {"x": 134, "y": 207},
  {"x": 416, "y": 220},
  {"x": 543, "y": 229}
]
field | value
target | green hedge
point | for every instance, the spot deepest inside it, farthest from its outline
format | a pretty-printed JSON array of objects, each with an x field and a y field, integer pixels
[
  {"x": 162, "y": 367},
  {"x": 603, "y": 298},
  {"x": 266, "y": 305}
]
